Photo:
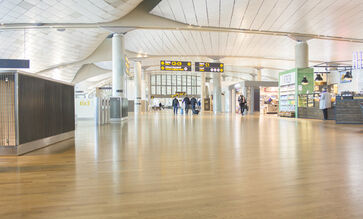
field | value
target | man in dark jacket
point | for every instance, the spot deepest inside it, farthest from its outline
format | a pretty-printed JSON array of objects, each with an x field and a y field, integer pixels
[
  {"x": 186, "y": 102},
  {"x": 193, "y": 102},
  {"x": 175, "y": 105}
]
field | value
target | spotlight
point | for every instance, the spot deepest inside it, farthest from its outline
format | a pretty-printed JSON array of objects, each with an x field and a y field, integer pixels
[
  {"x": 304, "y": 81},
  {"x": 318, "y": 78}
]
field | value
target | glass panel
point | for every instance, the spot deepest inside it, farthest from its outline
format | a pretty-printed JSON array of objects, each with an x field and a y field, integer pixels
[
  {"x": 153, "y": 91},
  {"x": 183, "y": 80},
  {"x": 173, "y": 79},
  {"x": 163, "y": 80},
  {"x": 178, "y": 81},
  {"x": 163, "y": 90},
  {"x": 179, "y": 89},
  {"x": 194, "y": 90},
  {"x": 169, "y": 90},
  {"x": 194, "y": 80},
  {"x": 158, "y": 79},
  {"x": 158, "y": 90},
  {"x": 173, "y": 90},
  {"x": 153, "y": 79},
  {"x": 168, "y": 80},
  {"x": 198, "y": 90},
  {"x": 189, "y": 80},
  {"x": 189, "y": 91}
]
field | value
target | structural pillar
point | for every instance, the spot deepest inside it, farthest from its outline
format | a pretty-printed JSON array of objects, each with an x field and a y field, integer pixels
[
  {"x": 252, "y": 100},
  {"x": 202, "y": 90},
  {"x": 217, "y": 93},
  {"x": 301, "y": 54},
  {"x": 137, "y": 79},
  {"x": 233, "y": 104},
  {"x": 118, "y": 65},
  {"x": 228, "y": 99},
  {"x": 259, "y": 75}
]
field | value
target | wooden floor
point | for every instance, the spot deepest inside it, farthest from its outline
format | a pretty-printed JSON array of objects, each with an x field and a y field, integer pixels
[{"x": 161, "y": 166}]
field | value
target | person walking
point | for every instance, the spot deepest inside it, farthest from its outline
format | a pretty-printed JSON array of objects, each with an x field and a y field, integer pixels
[
  {"x": 193, "y": 102},
  {"x": 242, "y": 103},
  {"x": 325, "y": 102},
  {"x": 175, "y": 105},
  {"x": 186, "y": 102}
]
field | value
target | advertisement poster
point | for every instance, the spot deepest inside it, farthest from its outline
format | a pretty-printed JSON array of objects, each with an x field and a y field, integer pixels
[{"x": 344, "y": 80}]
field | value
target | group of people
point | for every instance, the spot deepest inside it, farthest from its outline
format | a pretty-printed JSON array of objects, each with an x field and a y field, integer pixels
[{"x": 186, "y": 104}]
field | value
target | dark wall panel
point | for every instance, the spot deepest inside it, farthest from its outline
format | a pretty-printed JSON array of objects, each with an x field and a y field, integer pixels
[{"x": 46, "y": 108}]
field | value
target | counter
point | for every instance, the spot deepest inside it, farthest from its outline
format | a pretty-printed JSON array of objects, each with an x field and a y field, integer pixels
[{"x": 348, "y": 111}]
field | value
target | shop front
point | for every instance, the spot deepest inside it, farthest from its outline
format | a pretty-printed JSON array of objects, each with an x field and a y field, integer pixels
[{"x": 300, "y": 91}]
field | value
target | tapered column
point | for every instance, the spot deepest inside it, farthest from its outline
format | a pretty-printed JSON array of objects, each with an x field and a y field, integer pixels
[
  {"x": 259, "y": 75},
  {"x": 217, "y": 93},
  {"x": 202, "y": 89},
  {"x": 137, "y": 79},
  {"x": 118, "y": 65},
  {"x": 301, "y": 54},
  {"x": 233, "y": 104}
]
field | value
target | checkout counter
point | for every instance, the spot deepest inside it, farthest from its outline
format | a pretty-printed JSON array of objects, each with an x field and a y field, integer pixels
[
  {"x": 348, "y": 108},
  {"x": 308, "y": 107}
]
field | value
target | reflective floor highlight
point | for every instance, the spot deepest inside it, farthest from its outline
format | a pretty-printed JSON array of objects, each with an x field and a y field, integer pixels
[{"x": 163, "y": 166}]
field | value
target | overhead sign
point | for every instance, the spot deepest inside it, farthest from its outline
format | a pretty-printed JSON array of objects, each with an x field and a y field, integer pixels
[
  {"x": 179, "y": 94},
  {"x": 209, "y": 67},
  {"x": 14, "y": 63},
  {"x": 175, "y": 66}
]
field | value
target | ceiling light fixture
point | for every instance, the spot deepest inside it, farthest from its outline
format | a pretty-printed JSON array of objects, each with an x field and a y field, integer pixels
[
  {"x": 318, "y": 78},
  {"x": 304, "y": 81},
  {"x": 61, "y": 29},
  {"x": 348, "y": 76}
]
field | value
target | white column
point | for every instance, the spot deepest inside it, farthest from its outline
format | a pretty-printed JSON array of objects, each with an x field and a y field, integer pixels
[
  {"x": 228, "y": 99},
  {"x": 137, "y": 79},
  {"x": 259, "y": 75},
  {"x": 301, "y": 54},
  {"x": 202, "y": 89},
  {"x": 233, "y": 105},
  {"x": 217, "y": 93},
  {"x": 252, "y": 100},
  {"x": 118, "y": 65}
]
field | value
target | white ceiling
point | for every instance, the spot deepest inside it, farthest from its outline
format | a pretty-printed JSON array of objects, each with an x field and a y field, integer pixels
[
  {"x": 48, "y": 48},
  {"x": 324, "y": 17}
]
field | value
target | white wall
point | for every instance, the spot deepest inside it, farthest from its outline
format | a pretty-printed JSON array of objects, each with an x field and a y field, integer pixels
[{"x": 85, "y": 108}]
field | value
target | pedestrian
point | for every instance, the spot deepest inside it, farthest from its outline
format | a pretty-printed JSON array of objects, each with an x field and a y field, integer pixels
[
  {"x": 175, "y": 105},
  {"x": 193, "y": 102},
  {"x": 242, "y": 103},
  {"x": 182, "y": 107},
  {"x": 325, "y": 102},
  {"x": 186, "y": 102}
]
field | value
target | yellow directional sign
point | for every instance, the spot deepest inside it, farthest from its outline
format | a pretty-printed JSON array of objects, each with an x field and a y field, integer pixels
[
  {"x": 175, "y": 66},
  {"x": 209, "y": 67}
]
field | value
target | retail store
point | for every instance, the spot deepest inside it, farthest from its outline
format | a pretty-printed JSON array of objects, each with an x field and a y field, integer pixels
[
  {"x": 300, "y": 91},
  {"x": 261, "y": 96}
]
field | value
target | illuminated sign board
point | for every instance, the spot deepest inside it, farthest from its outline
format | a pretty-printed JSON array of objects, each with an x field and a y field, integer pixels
[
  {"x": 209, "y": 67},
  {"x": 175, "y": 66}
]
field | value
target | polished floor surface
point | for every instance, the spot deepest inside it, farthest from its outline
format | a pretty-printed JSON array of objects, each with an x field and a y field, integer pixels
[{"x": 164, "y": 166}]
